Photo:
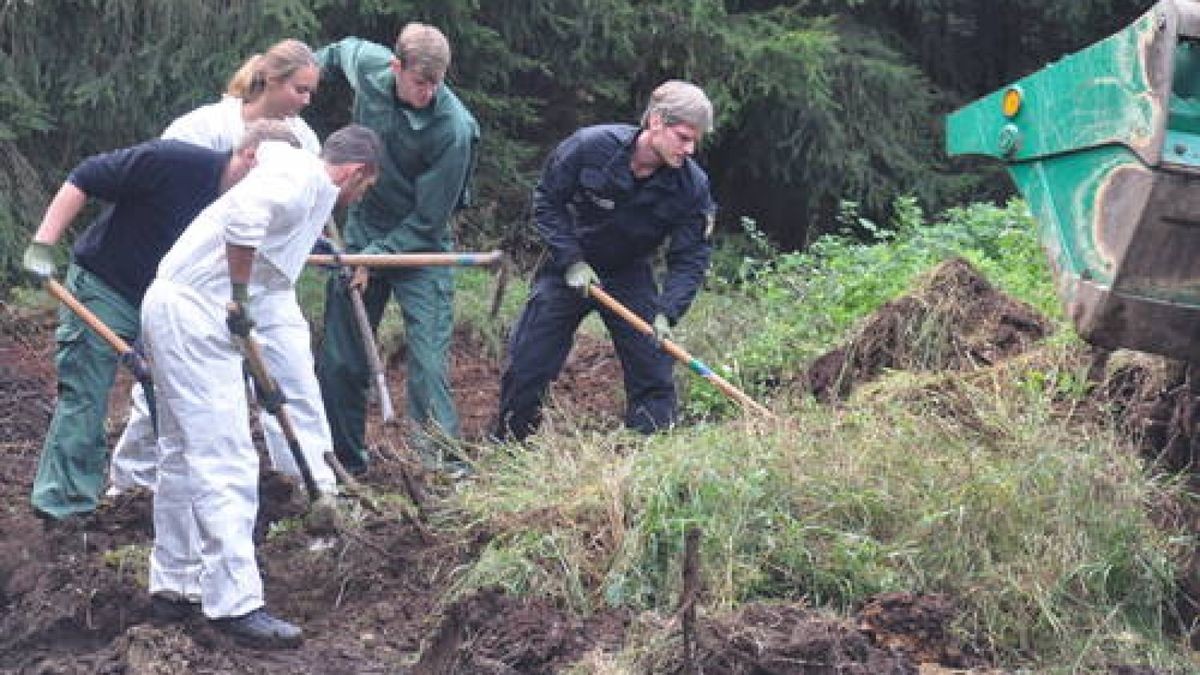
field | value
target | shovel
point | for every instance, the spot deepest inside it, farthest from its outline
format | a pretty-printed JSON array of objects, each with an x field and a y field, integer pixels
[
  {"x": 268, "y": 390},
  {"x": 680, "y": 353},
  {"x": 494, "y": 259},
  {"x": 464, "y": 259},
  {"x": 374, "y": 363},
  {"x": 387, "y": 411},
  {"x": 128, "y": 356},
  {"x": 378, "y": 376}
]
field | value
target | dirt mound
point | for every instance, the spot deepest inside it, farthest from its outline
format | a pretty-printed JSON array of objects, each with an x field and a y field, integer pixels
[
  {"x": 953, "y": 320},
  {"x": 779, "y": 638},
  {"x": 1157, "y": 406},
  {"x": 491, "y": 632},
  {"x": 916, "y": 625}
]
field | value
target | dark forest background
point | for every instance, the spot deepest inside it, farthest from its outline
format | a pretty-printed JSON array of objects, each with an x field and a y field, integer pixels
[{"x": 819, "y": 103}]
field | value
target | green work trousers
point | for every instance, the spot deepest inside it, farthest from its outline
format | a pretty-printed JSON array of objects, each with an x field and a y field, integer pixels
[
  {"x": 426, "y": 299},
  {"x": 71, "y": 470}
]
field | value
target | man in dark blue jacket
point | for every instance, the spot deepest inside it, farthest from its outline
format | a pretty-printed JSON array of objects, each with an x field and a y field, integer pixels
[
  {"x": 608, "y": 198},
  {"x": 154, "y": 190}
]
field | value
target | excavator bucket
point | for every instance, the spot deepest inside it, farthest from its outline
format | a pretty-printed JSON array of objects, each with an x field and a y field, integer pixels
[{"x": 1104, "y": 145}]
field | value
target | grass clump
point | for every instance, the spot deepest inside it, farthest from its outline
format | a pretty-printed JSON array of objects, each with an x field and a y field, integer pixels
[{"x": 995, "y": 491}]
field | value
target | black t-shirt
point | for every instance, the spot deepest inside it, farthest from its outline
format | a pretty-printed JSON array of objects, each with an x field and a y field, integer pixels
[{"x": 155, "y": 190}]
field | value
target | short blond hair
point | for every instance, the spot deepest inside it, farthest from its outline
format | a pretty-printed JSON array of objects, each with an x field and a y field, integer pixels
[
  {"x": 678, "y": 102},
  {"x": 424, "y": 48}
]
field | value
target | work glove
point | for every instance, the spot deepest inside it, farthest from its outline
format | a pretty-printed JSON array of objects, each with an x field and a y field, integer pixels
[
  {"x": 579, "y": 276},
  {"x": 135, "y": 361},
  {"x": 238, "y": 317},
  {"x": 662, "y": 328},
  {"x": 39, "y": 259},
  {"x": 325, "y": 246},
  {"x": 270, "y": 398}
]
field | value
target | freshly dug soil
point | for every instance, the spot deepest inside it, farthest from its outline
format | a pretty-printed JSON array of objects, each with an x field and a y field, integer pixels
[{"x": 954, "y": 319}]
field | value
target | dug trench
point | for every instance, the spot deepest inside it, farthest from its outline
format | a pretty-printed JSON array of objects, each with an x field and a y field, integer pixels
[{"x": 379, "y": 597}]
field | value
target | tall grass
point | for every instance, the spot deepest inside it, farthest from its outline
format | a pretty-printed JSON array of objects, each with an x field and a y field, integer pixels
[
  {"x": 986, "y": 488},
  {"x": 1003, "y": 488}
]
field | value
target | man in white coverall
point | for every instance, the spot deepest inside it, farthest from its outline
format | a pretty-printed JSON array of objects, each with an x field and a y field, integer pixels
[{"x": 234, "y": 269}]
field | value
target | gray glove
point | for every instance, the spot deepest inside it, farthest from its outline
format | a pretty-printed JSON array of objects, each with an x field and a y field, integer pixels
[
  {"x": 662, "y": 329},
  {"x": 579, "y": 276},
  {"x": 39, "y": 259}
]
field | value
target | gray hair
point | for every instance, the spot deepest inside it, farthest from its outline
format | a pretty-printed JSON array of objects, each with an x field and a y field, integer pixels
[
  {"x": 263, "y": 130},
  {"x": 353, "y": 144},
  {"x": 424, "y": 48},
  {"x": 678, "y": 102}
]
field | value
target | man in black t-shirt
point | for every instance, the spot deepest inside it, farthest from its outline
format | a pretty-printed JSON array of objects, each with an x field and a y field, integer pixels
[{"x": 154, "y": 190}]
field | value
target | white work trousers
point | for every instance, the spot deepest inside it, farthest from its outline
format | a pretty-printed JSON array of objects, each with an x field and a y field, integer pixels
[
  {"x": 285, "y": 340},
  {"x": 206, "y": 497}
]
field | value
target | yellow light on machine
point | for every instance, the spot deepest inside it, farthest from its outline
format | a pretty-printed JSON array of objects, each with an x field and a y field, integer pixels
[{"x": 1010, "y": 105}]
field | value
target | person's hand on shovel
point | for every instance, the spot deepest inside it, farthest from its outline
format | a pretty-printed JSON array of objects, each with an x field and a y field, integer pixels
[
  {"x": 39, "y": 259},
  {"x": 359, "y": 278},
  {"x": 662, "y": 329},
  {"x": 238, "y": 317},
  {"x": 579, "y": 276}
]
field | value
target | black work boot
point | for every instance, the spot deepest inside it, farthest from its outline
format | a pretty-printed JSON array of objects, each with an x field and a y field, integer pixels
[
  {"x": 171, "y": 607},
  {"x": 261, "y": 630}
]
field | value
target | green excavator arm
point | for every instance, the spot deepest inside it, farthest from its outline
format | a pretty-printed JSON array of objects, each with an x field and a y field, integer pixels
[{"x": 1104, "y": 145}]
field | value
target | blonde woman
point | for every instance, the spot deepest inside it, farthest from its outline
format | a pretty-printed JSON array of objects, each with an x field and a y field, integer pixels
[{"x": 276, "y": 84}]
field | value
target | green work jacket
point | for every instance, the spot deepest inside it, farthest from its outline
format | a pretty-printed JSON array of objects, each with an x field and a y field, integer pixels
[{"x": 428, "y": 155}]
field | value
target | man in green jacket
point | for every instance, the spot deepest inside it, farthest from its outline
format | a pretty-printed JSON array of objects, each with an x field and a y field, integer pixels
[{"x": 429, "y": 144}]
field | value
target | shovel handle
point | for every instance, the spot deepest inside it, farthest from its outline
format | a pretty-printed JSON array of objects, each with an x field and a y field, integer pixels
[
  {"x": 263, "y": 380},
  {"x": 679, "y": 353},
  {"x": 130, "y": 357},
  {"x": 60, "y": 292},
  {"x": 487, "y": 259},
  {"x": 374, "y": 363}
]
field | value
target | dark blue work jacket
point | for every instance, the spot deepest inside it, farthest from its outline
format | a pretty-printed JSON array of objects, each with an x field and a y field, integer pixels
[{"x": 589, "y": 206}]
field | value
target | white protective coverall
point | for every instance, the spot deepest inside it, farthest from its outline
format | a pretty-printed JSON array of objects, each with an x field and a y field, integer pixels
[
  {"x": 207, "y": 492},
  {"x": 218, "y": 126}
]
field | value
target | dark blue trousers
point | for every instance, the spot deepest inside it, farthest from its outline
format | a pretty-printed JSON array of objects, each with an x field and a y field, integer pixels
[{"x": 543, "y": 336}]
